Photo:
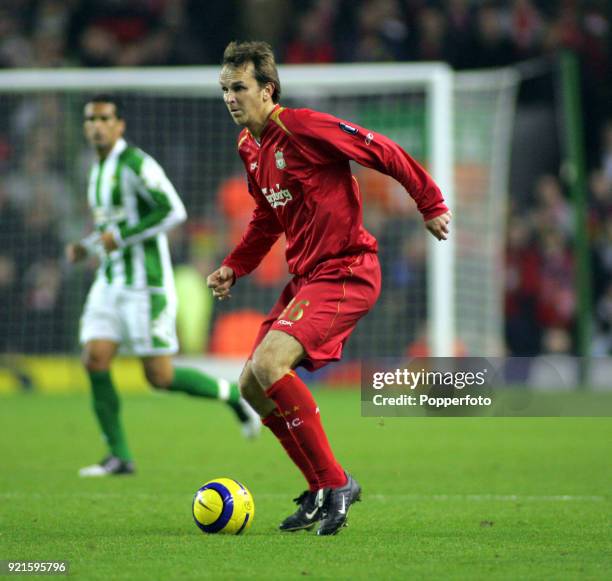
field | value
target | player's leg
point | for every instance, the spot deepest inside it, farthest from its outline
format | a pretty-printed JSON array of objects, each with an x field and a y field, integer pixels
[
  {"x": 97, "y": 358},
  {"x": 272, "y": 365},
  {"x": 253, "y": 392},
  {"x": 275, "y": 421},
  {"x": 161, "y": 373},
  {"x": 308, "y": 513},
  {"x": 151, "y": 323},
  {"x": 100, "y": 336},
  {"x": 273, "y": 362},
  {"x": 321, "y": 317}
]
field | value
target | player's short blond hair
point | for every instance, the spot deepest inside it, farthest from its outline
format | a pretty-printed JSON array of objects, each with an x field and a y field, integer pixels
[{"x": 259, "y": 53}]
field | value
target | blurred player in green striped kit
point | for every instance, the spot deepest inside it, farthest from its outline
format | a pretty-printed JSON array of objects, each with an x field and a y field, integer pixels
[{"x": 132, "y": 304}]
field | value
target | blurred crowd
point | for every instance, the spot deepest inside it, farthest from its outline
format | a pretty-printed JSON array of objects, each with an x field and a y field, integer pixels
[
  {"x": 540, "y": 284},
  {"x": 465, "y": 33},
  {"x": 541, "y": 298}
]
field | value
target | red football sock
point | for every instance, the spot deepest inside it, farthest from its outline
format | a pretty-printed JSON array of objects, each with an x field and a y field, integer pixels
[
  {"x": 278, "y": 426},
  {"x": 301, "y": 414}
]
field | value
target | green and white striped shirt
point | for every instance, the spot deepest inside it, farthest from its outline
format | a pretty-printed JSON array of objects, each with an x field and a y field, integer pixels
[{"x": 130, "y": 195}]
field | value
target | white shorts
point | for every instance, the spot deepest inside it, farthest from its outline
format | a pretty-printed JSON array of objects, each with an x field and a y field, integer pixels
[{"x": 142, "y": 321}]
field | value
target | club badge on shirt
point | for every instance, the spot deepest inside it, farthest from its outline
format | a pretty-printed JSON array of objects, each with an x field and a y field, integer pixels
[{"x": 280, "y": 160}]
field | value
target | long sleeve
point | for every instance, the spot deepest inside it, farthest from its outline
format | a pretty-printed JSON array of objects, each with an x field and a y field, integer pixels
[
  {"x": 261, "y": 233},
  {"x": 161, "y": 206},
  {"x": 329, "y": 139}
]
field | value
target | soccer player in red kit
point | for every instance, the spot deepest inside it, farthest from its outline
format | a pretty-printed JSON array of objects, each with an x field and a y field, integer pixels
[{"x": 298, "y": 173}]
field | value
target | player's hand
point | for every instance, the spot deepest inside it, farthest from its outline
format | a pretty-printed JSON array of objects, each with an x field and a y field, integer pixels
[
  {"x": 221, "y": 282},
  {"x": 75, "y": 252},
  {"x": 108, "y": 241},
  {"x": 438, "y": 226}
]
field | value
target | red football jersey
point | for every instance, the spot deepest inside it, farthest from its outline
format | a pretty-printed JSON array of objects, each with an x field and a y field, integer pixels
[{"x": 300, "y": 177}]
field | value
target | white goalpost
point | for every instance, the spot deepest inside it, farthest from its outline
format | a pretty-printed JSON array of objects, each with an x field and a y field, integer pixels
[{"x": 437, "y": 294}]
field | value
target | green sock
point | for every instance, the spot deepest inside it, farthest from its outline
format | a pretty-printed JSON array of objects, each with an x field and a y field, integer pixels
[
  {"x": 194, "y": 382},
  {"x": 106, "y": 407}
]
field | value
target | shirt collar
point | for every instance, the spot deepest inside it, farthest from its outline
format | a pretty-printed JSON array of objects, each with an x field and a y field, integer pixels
[
  {"x": 118, "y": 148},
  {"x": 267, "y": 125}
]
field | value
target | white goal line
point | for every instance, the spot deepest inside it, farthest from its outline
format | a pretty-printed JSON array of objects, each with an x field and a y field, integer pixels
[
  {"x": 489, "y": 497},
  {"x": 374, "y": 497}
]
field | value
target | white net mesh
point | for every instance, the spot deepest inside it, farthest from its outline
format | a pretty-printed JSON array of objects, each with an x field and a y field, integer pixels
[{"x": 484, "y": 115}]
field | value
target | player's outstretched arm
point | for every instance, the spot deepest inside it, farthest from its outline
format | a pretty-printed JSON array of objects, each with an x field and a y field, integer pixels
[
  {"x": 221, "y": 281},
  {"x": 438, "y": 226},
  {"x": 329, "y": 139}
]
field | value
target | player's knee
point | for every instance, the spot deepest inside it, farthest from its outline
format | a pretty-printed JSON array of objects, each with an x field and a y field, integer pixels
[
  {"x": 96, "y": 362},
  {"x": 266, "y": 368},
  {"x": 253, "y": 392},
  {"x": 158, "y": 379},
  {"x": 247, "y": 391},
  {"x": 248, "y": 386}
]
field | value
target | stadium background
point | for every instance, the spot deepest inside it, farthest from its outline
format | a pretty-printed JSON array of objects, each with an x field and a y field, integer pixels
[
  {"x": 444, "y": 498},
  {"x": 44, "y": 159}
]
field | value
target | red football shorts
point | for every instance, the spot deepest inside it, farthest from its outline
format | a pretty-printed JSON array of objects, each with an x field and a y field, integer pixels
[{"x": 321, "y": 308}]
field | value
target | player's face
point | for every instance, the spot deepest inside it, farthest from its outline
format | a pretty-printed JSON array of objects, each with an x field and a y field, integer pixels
[
  {"x": 248, "y": 103},
  {"x": 102, "y": 126}
]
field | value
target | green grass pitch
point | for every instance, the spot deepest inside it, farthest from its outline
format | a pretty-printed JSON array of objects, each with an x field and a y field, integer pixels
[{"x": 463, "y": 498}]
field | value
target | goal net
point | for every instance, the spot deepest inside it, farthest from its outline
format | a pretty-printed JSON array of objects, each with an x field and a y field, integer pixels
[{"x": 437, "y": 298}]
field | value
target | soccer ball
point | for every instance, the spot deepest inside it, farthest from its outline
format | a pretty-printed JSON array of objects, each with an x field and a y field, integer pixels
[{"x": 223, "y": 505}]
